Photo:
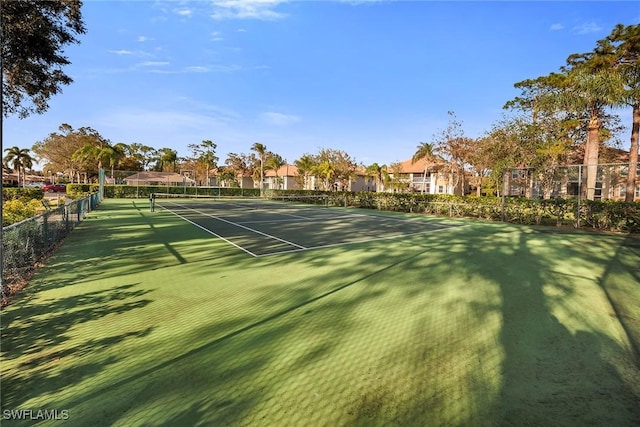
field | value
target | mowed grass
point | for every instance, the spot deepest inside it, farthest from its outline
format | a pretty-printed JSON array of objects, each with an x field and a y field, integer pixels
[{"x": 143, "y": 319}]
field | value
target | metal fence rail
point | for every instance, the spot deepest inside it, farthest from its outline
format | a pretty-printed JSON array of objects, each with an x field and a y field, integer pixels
[{"x": 25, "y": 243}]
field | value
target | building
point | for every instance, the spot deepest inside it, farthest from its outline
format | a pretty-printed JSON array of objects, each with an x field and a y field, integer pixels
[{"x": 429, "y": 178}]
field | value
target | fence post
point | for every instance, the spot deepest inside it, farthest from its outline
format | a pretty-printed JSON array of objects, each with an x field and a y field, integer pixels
[{"x": 579, "y": 196}]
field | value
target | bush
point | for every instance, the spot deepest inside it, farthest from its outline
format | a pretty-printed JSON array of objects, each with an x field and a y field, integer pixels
[
  {"x": 601, "y": 215},
  {"x": 24, "y": 194},
  {"x": 15, "y": 210}
]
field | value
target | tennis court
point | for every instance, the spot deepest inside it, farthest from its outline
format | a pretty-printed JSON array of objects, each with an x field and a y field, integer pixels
[{"x": 262, "y": 227}]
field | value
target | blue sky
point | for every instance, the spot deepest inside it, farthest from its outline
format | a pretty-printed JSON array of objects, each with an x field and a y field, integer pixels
[{"x": 372, "y": 78}]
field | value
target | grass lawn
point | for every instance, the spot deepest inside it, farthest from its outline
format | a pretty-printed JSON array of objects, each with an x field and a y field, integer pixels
[{"x": 141, "y": 318}]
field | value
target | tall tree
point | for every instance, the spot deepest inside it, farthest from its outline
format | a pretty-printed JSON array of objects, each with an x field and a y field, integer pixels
[
  {"x": 424, "y": 152},
  {"x": 58, "y": 148},
  {"x": 275, "y": 162},
  {"x": 379, "y": 175},
  {"x": 33, "y": 37},
  {"x": 238, "y": 164},
  {"x": 335, "y": 167},
  {"x": 396, "y": 181},
  {"x": 208, "y": 157},
  {"x": 130, "y": 160},
  {"x": 583, "y": 90},
  {"x": 167, "y": 160},
  {"x": 227, "y": 176},
  {"x": 589, "y": 87},
  {"x": 454, "y": 147},
  {"x": 19, "y": 160},
  {"x": 625, "y": 45},
  {"x": 99, "y": 152},
  {"x": 261, "y": 151},
  {"x": 305, "y": 165},
  {"x": 137, "y": 156}
]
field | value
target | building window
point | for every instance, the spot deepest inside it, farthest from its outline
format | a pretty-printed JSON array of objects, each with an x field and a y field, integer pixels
[
  {"x": 623, "y": 190},
  {"x": 637, "y": 190},
  {"x": 518, "y": 174},
  {"x": 441, "y": 189},
  {"x": 516, "y": 190}
]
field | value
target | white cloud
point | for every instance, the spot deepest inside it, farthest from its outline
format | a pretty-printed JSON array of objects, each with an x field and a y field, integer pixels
[
  {"x": 153, "y": 64},
  {"x": 215, "y": 68},
  {"x": 215, "y": 36},
  {"x": 142, "y": 39},
  {"x": 197, "y": 69},
  {"x": 278, "y": 119},
  {"x": 556, "y": 27},
  {"x": 246, "y": 9},
  {"x": 121, "y": 52},
  {"x": 184, "y": 12},
  {"x": 587, "y": 28}
]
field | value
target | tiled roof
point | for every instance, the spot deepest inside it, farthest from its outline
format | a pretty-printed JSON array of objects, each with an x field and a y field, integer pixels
[{"x": 286, "y": 170}]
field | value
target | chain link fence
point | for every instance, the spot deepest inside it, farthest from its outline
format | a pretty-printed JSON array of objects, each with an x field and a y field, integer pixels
[
  {"x": 608, "y": 181},
  {"x": 25, "y": 243}
]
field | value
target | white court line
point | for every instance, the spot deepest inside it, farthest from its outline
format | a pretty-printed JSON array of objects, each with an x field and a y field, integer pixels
[
  {"x": 268, "y": 210},
  {"x": 211, "y": 232},
  {"x": 242, "y": 226},
  {"x": 361, "y": 241}
]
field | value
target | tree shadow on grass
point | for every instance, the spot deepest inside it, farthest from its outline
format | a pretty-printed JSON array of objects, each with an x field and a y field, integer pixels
[
  {"x": 549, "y": 373},
  {"x": 231, "y": 360},
  {"x": 28, "y": 328},
  {"x": 621, "y": 284},
  {"x": 37, "y": 334},
  {"x": 552, "y": 375},
  {"x": 117, "y": 241},
  {"x": 269, "y": 362}
]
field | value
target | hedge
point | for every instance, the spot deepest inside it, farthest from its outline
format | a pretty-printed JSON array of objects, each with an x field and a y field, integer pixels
[{"x": 607, "y": 215}]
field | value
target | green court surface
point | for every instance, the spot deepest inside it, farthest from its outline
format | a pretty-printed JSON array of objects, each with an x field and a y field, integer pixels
[{"x": 324, "y": 316}]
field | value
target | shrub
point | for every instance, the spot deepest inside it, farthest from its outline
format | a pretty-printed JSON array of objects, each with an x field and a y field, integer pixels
[{"x": 15, "y": 210}]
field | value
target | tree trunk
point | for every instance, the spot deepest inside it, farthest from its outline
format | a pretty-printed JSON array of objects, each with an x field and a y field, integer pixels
[
  {"x": 633, "y": 155},
  {"x": 591, "y": 154}
]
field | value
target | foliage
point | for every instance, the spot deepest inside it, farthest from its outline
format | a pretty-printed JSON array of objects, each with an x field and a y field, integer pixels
[
  {"x": 379, "y": 174},
  {"x": 600, "y": 215},
  {"x": 24, "y": 194},
  {"x": 17, "y": 210},
  {"x": 203, "y": 160},
  {"x": 98, "y": 152},
  {"x": 58, "y": 149},
  {"x": 34, "y": 35},
  {"x": 18, "y": 159}
]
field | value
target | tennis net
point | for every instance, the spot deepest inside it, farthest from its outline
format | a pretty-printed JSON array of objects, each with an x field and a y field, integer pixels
[{"x": 170, "y": 201}]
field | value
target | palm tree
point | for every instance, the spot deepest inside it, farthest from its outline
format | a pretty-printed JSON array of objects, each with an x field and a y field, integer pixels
[
  {"x": 261, "y": 150},
  {"x": 305, "y": 166},
  {"x": 379, "y": 175},
  {"x": 274, "y": 162},
  {"x": 208, "y": 157},
  {"x": 167, "y": 156},
  {"x": 588, "y": 88},
  {"x": 102, "y": 153},
  {"x": 18, "y": 159},
  {"x": 624, "y": 45},
  {"x": 325, "y": 170},
  {"x": 424, "y": 152},
  {"x": 238, "y": 164}
]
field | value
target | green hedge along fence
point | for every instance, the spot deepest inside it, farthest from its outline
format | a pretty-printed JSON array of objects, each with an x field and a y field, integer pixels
[{"x": 607, "y": 215}]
